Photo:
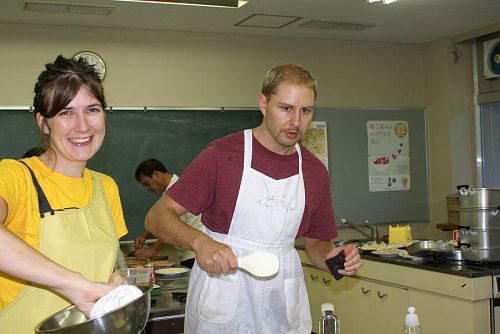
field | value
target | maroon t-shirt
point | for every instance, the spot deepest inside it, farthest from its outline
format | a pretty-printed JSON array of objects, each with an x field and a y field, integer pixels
[{"x": 211, "y": 182}]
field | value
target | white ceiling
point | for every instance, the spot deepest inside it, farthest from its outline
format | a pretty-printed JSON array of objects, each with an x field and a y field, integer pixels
[{"x": 406, "y": 21}]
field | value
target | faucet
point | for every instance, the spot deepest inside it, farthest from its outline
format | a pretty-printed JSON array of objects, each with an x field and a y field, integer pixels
[{"x": 373, "y": 235}]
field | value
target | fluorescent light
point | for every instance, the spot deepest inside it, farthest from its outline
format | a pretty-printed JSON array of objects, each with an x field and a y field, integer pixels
[
  {"x": 66, "y": 8},
  {"x": 204, "y": 3},
  {"x": 385, "y": 2}
]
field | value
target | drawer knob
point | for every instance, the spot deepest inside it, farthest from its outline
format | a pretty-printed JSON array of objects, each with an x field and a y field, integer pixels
[
  {"x": 381, "y": 294},
  {"x": 365, "y": 291}
]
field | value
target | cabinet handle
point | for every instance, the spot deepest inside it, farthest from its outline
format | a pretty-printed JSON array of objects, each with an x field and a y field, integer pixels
[
  {"x": 381, "y": 294},
  {"x": 365, "y": 291},
  {"x": 327, "y": 281},
  {"x": 314, "y": 278}
]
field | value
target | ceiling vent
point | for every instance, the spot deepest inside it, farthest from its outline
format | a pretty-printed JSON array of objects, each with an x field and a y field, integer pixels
[
  {"x": 66, "y": 8},
  {"x": 346, "y": 26}
]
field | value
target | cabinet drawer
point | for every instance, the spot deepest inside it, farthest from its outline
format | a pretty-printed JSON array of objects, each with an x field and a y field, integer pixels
[{"x": 165, "y": 326}]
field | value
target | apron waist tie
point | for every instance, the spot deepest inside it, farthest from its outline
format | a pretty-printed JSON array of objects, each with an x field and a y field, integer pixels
[{"x": 249, "y": 245}]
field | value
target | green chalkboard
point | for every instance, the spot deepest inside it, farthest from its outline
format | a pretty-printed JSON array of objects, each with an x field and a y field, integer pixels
[{"x": 176, "y": 136}]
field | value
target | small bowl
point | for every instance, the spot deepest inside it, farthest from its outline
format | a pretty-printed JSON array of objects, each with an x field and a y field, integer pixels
[
  {"x": 137, "y": 276},
  {"x": 128, "y": 319}
]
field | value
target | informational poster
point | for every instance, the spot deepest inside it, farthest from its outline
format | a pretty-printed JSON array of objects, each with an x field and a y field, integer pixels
[
  {"x": 388, "y": 155},
  {"x": 316, "y": 141}
]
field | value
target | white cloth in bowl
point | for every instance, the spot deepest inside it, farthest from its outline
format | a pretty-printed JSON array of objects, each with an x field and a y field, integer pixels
[{"x": 115, "y": 299}]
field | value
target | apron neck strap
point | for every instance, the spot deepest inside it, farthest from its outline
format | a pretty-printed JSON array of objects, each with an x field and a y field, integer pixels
[{"x": 43, "y": 203}]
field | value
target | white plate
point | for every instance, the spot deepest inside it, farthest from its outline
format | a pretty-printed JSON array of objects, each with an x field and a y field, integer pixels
[
  {"x": 387, "y": 253},
  {"x": 171, "y": 271},
  {"x": 404, "y": 254},
  {"x": 410, "y": 257}
]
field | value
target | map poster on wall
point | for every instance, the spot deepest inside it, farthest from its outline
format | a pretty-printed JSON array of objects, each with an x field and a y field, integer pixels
[
  {"x": 316, "y": 141},
  {"x": 388, "y": 155}
]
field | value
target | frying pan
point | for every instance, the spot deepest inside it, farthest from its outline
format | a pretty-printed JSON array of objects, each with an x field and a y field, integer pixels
[{"x": 430, "y": 248}]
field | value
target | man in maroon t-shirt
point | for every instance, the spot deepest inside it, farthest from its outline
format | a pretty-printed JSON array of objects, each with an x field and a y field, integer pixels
[{"x": 257, "y": 190}]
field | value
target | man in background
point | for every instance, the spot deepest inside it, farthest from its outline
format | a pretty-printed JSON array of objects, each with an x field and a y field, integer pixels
[{"x": 153, "y": 175}]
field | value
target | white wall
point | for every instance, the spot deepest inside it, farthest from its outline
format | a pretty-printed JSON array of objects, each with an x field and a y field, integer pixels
[
  {"x": 449, "y": 101},
  {"x": 152, "y": 68}
]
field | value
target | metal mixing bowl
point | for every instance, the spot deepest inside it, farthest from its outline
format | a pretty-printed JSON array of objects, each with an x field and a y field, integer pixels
[{"x": 128, "y": 319}]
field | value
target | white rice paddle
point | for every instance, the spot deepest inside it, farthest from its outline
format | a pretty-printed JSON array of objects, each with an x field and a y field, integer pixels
[{"x": 260, "y": 264}]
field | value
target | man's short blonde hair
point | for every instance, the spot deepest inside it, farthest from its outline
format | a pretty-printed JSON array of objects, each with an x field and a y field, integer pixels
[{"x": 290, "y": 74}]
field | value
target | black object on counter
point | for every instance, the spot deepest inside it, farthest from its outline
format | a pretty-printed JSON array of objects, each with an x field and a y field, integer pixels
[
  {"x": 335, "y": 263},
  {"x": 180, "y": 296}
]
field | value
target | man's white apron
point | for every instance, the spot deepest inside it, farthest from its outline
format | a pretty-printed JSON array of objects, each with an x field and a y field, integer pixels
[{"x": 266, "y": 218}]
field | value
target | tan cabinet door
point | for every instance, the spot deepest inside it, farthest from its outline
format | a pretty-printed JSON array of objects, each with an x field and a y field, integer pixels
[
  {"x": 448, "y": 315},
  {"x": 373, "y": 307},
  {"x": 323, "y": 288}
]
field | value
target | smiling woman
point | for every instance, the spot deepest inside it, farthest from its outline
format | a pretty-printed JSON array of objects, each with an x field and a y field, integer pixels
[
  {"x": 57, "y": 218},
  {"x": 71, "y": 120},
  {"x": 75, "y": 133}
]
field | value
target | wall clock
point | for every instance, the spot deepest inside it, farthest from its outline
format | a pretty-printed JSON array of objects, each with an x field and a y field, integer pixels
[{"x": 95, "y": 60}]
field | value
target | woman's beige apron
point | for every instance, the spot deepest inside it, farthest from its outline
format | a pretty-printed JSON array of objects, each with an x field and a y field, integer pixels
[
  {"x": 267, "y": 217},
  {"x": 83, "y": 240}
]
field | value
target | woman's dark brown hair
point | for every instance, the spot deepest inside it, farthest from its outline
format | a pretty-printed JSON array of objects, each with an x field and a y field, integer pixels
[{"x": 58, "y": 85}]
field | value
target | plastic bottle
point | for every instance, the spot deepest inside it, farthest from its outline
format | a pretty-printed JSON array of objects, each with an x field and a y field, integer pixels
[
  {"x": 412, "y": 326},
  {"x": 329, "y": 323}
]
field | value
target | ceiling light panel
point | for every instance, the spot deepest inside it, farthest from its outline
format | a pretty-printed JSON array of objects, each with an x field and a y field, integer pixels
[
  {"x": 385, "y": 2},
  {"x": 204, "y": 3},
  {"x": 267, "y": 21},
  {"x": 66, "y": 8}
]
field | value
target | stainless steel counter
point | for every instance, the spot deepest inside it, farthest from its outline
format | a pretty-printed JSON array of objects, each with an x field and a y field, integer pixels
[
  {"x": 459, "y": 268},
  {"x": 163, "y": 304}
]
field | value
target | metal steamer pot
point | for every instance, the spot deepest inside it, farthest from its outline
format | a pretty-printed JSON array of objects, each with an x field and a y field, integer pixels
[
  {"x": 480, "y": 224},
  {"x": 483, "y": 198},
  {"x": 480, "y": 245},
  {"x": 479, "y": 198},
  {"x": 480, "y": 218},
  {"x": 481, "y": 238},
  {"x": 480, "y": 254}
]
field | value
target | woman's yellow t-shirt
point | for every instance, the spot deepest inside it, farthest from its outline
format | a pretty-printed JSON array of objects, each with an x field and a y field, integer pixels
[{"x": 19, "y": 192}]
